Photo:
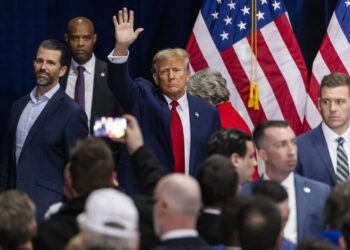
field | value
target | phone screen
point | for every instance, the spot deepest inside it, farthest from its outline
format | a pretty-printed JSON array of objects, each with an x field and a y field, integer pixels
[{"x": 112, "y": 127}]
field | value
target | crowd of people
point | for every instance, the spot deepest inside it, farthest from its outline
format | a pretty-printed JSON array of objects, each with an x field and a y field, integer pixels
[{"x": 184, "y": 174}]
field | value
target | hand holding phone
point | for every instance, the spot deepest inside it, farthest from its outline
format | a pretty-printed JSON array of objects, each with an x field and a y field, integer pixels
[{"x": 111, "y": 127}]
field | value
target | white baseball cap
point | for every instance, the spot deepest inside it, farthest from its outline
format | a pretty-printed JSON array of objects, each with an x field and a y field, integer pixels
[{"x": 110, "y": 212}]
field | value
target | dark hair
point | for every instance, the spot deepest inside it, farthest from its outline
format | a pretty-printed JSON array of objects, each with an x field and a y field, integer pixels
[
  {"x": 271, "y": 189},
  {"x": 17, "y": 213},
  {"x": 259, "y": 224},
  {"x": 335, "y": 79},
  {"x": 259, "y": 131},
  {"x": 91, "y": 165},
  {"x": 316, "y": 244},
  {"x": 228, "y": 141},
  {"x": 229, "y": 220},
  {"x": 337, "y": 205},
  {"x": 52, "y": 44},
  {"x": 217, "y": 179}
]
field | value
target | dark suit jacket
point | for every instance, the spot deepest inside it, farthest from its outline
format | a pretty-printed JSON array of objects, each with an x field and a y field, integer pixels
[
  {"x": 103, "y": 101},
  {"x": 142, "y": 99},
  {"x": 45, "y": 152},
  {"x": 314, "y": 160},
  {"x": 310, "y": 199},
  {"x": 208, "y": 226},
  {"x": 186, "y": 243}
]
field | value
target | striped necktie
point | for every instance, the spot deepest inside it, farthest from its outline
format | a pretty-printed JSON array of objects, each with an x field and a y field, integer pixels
[{"x": 342, "y": 162}]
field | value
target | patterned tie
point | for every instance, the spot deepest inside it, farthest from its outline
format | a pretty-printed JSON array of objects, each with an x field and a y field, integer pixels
[
  {"x": 79, "y": 94},
  {"x": 342, "y": 162},
  {"x": 177, "y": 139}
]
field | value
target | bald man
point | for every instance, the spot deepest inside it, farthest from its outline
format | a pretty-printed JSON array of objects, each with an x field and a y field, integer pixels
[
  {"x": 176, "y": 208},
  {"x": 98, "y": 99}
]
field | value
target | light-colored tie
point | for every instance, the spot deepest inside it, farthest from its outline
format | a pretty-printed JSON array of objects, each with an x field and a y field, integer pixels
[{"x": 342, "y": 162}]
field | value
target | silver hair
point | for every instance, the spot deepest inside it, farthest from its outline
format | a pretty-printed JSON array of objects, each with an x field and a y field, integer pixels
[{"x": 210, "y": 85}]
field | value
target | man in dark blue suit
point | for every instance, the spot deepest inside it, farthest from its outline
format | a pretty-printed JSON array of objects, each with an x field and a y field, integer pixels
[
  {"x": 152, "y": 104},
  {"x": 44, "y": 125},
  {"x": 317, "y": 149},
  {"x": 276, "y": 146}
]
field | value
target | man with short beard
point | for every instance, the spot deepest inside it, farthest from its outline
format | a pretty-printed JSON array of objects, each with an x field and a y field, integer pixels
[{"x": 44, "y": 126}]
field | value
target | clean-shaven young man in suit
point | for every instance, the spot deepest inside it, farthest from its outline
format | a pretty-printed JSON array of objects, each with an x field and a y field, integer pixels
[
  {"x": 276, "y": 146},
  {"x": 99, "y": 100},
  {"x": 317, "y": 149},
  {"x": 44, "y": 126},
  {"x": 152, "y": 104}
]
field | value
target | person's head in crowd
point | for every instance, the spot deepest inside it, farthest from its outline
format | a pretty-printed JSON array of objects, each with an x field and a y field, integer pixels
[
  {"x": 276, "y": 145},
  {"x": 50, "y": 64},
  {"x": 210, "y": 85},
  {"x": 91, "y": 167},
  {"x": 344, "y": 240},
  {"x": 334, "y": 101},
  {"x": 337, "y": 205},
  {"x": 81, "y": 38},
  {"x": 170, "y": 69},
  {"x": 229, "y": 220},
  {"x": 259, "y": 224},
  {"x": 277, "y": 193},
  {"x": 236, "y": 145},
  {"x": 110, "y": 221},
  {"x": 17, "y": 220},
  {"x": 177, "y": 201},
  {"x": 218, "y": 181},
  {"x": 316, "y": 244}
]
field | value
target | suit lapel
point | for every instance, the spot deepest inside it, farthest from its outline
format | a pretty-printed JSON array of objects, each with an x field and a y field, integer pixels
[
  {"x": 50, "y": 108},
  {"x": 301, "y": 196},
  {"x": 165, "y": 117},
  {"x": 195, "y": 123},
  {"x": 98, "y": 89},
  {"x": 321, "y": 146}
]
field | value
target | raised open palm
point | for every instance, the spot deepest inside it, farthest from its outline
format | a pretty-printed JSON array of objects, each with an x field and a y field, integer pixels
[{"x": 124, "y": 28}]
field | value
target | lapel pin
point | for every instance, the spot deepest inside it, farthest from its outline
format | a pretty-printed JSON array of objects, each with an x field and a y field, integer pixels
[
  {"x": 307, "y": 190},
  {"x": 196, "y": 114},
  {"x": 103, "y": 74}
]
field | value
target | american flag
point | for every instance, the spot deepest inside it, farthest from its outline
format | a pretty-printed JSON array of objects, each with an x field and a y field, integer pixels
[
  {"x": 221, "y": 40},
  {"x": 334, "y": 55}
]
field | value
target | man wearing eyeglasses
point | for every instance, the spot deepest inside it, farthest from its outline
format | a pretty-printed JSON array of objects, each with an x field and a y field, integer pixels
[
  {"x": 324, "y": 152},
  {"x": 176, "y": 126}
]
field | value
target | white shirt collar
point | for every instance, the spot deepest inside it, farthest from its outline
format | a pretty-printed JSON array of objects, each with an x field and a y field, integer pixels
[
  {"x": 288, "y": 183},
  {"x": 212, "y": 211},
  {"x": 180, "y": 233},
  {"x": 89, "y": 65},
  {"x": 331, "y": 136},
  {"x": 47, "y": 95},
  {"x": 183, "y": 102}
]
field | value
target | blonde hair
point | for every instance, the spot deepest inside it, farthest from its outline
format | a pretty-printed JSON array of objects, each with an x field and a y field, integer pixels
[{"x": 170, "y": 54}]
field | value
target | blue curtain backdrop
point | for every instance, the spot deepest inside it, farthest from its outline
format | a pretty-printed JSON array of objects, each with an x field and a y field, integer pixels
[{"x": 24, "y": 23}]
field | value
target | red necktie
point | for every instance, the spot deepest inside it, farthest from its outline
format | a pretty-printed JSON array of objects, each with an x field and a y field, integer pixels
[
  {"x": 177, "y": 139},
  {"x": 79, "y": 94}
]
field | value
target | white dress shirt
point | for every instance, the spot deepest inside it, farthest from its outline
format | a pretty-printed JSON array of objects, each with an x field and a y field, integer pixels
[
  {"x": 182, "y": 109},
  {"x": 180, "y": 233},
  {"x": 290, "y": 230},
  {"x": 332, "y": 144},
  {"x": 184, "y": 113},
  {"x": 89, "y": 76}
]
